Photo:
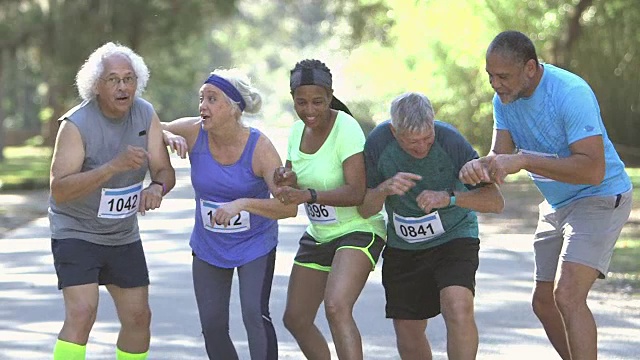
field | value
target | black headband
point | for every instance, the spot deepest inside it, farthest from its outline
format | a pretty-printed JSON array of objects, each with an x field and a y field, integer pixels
[{"x": 310, "y": 77}]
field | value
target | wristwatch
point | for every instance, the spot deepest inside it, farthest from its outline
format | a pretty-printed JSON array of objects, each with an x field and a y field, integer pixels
[
  {"x": 314, "y": 196},
  {"x": 452, "y": 197}
]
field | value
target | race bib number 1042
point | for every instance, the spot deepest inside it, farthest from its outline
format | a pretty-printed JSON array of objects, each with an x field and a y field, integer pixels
[{"x": 120, "y": 203}]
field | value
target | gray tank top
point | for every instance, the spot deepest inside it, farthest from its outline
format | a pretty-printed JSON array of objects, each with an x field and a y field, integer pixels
[{"x": 103, "y": 139}]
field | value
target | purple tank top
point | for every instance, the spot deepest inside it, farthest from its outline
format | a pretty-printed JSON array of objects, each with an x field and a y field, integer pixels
[{"x": 215, "y": 183}]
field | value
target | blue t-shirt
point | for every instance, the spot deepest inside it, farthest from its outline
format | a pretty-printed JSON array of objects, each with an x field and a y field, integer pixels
[{"x": 562, "y": 110}]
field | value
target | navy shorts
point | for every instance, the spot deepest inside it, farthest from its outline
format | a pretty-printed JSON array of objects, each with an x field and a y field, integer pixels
[
  {"x": 412, "y": 279},
  {"x": 79, "y": 262}
]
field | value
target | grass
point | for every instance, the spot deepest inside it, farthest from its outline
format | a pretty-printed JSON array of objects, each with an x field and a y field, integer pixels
[
  {"x": 634, "y": 174},
  {"x": 25, "y": 168},
  {"x": 624, "y": 271},
  {"x": 625, "y": 264},
  {"x": 627, "y": 253}
]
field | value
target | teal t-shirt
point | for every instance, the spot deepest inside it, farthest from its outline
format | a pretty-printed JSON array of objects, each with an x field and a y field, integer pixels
[
  {"x": 439, "y": 170},
  {"x": 323, "y": 171}
]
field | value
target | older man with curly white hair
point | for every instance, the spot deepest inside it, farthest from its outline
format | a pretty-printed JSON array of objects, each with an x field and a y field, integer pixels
[{"x": 104, "y": 148}]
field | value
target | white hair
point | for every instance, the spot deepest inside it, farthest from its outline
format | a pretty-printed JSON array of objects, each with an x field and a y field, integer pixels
[
  {"x": 91, "y": 70},
  {"x": 241, "y": 82}
]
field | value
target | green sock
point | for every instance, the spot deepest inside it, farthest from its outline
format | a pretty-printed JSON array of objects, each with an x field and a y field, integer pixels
[
  {"x": 65, "y": 350},
  {"x": 121, "y": 355}
]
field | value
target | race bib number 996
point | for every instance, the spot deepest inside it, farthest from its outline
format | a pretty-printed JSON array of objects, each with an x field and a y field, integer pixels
[{"x": 321, "y": 214}]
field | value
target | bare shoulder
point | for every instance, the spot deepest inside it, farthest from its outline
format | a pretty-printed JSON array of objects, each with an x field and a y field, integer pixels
[
  {"x": 265, "y": 146},
  {"x": 68, "y": 134},
  {"x": 67, "y": 125},
  {"x": 266, "y": 157},
  {"x": 68, "y": 152}
]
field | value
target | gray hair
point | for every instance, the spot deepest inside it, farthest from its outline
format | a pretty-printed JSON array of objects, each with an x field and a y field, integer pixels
[
  {"x": 514, "y": 44},
  {"x": 241, "y": 82},
  {"x": 412, "y": 112},
  {"x": 91, "y": 70}
]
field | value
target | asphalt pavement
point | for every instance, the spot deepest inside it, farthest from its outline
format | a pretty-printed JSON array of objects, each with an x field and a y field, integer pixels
[{"x": 31, "y": 307}]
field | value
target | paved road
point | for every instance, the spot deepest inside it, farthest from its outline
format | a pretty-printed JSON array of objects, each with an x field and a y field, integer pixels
[{"x": 31, "y": 309}]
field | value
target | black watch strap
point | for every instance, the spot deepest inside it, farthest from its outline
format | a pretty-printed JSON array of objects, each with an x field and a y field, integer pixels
[{"x": 314, "y": 196}]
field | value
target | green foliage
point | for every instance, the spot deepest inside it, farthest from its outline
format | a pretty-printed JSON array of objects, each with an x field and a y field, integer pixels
[
  {"x": 181, "y": 41},
  {"x": 609, "y": 59},
  {"x": 468, "y": 101},
  {"x": 266, "y": 38},
  {"x": 57, "y": 36},
  {"x": 376, "y": 50},
  {"x": 37, "y": 140},
  {"x": 361, "y": 111}
]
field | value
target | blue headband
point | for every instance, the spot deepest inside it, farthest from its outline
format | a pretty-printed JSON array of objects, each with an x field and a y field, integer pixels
[{"x": 227, "y": 88}]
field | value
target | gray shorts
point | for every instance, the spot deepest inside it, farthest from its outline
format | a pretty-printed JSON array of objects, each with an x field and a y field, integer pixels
[{"x": 583, "y": 232}]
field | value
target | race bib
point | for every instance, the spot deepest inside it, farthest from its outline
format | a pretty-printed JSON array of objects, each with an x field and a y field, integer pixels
[
  {"x": 535, "y": 176},
  {"x": 321, "y": 214},
  {"x": 415, "y": 230},
  {"x": 119, "y": 203},
  {"x": 238, "y": 223}
]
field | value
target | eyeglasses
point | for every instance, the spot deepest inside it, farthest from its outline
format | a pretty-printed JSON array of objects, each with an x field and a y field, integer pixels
[{"x": 113, "y": 81}]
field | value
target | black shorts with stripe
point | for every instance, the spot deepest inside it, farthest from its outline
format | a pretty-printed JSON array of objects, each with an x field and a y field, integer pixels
[{"x": 316, "y": 255}]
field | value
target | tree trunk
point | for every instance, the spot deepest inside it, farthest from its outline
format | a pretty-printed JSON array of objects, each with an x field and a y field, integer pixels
[
  {"x": 3, "y": 61},
  {"x": 563, "y": 44},
  {"x": 54, "y": 96}
]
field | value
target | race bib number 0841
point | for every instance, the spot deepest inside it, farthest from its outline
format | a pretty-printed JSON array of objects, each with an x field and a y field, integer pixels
[{"x": 414, "y": 230}]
